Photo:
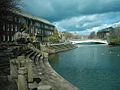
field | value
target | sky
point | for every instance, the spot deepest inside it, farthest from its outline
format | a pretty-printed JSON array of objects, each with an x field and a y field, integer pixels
[{"x": 80, "y": 16}]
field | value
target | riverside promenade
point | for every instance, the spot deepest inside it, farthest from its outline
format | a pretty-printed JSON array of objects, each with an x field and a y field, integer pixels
[{"x": 40, "y": 74}]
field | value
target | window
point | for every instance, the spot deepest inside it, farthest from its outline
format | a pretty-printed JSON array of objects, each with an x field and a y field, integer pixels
[
  {"x": 16, "y": 28},
  {"x": 15, "y": 19},
  {"x": 12, "y": 38},
  {"x": 3, "y": 27},
  {"x": 8, "y": 38},
  {"x": 8, "y": 28},
  {"x": 3, "y": 37},
  {"x": 36, "y": 30},
  {"x": 11, "y": 27}
]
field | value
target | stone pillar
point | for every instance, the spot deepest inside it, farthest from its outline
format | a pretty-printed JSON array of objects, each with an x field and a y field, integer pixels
[
  {"x": 4, "y": 38},
  {"x": 40, "y": 61},
  {"x": 29, "y": 70},
  {"x": 8, "y": 38},
  {"x": 22, "y": 81},
  {"x": 21, "y": 61},
  {"x": 45, "y": 57},
  {"x": 13, "y": 69}
]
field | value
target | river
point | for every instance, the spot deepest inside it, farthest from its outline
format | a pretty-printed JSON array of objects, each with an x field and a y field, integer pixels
[{"x": 90, "y": 67}]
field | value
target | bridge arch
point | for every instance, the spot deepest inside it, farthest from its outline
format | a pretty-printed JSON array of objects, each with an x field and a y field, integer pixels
[{"x": 89, "y": 41}]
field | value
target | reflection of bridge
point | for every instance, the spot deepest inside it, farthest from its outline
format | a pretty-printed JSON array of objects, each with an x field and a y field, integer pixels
[{"x": 89, "y": 41}]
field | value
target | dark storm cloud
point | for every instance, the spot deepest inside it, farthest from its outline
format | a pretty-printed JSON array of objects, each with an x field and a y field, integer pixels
[
  {"x": 82, "y": 16},
  {"x": 56, "y": 10},
  {"x": 92, "y": 22}
]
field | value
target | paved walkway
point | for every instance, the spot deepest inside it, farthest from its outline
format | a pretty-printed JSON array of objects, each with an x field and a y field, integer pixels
[{"x": 50, "y": 77}]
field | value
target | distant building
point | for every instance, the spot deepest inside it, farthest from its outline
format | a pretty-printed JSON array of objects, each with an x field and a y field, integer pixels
[
  {"x": 14, "y": 21},
  {"x": 103, "y": 34}
]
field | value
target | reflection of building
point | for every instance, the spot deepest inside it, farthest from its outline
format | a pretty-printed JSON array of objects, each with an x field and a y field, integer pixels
[
  {"x": 13, "y": 22},
  {"x": 103, "y": 34}
]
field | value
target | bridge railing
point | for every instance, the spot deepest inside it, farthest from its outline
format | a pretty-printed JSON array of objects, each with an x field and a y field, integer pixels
[{"x": 90, "y": 40}]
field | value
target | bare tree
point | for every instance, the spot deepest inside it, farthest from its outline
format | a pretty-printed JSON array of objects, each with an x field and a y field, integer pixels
[
  {"x": 8, "y": 4},
  {"x": 92, "y": 35},
  {"x": 5, "y": 7}
]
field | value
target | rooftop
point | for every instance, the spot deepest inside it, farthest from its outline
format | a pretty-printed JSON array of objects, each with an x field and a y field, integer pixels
[{"x": 33, "y": 17}]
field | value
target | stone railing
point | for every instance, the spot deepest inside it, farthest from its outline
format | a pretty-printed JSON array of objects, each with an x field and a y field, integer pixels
[
  {"x": 31, "y": 71},
  {"x": 22, "y": 71}
]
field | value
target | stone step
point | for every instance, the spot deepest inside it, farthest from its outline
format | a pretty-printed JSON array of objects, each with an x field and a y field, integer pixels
[
  {"x": 5, "y": 65},
  {"x": 28, "y": 52},
  {"x": 35, "y": 57},
  {"x": 31, "y": 55},
  {"x": 20, "y": 53}
]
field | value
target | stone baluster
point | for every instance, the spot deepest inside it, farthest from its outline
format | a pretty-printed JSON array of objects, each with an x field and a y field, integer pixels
[
  {"x": 45, "y": 55},
  {"x": 22, "y": 69},
  {"x": 21, "y": 61},
  {"x": 29, "y": 70},
  {"x": 22, "y": 81},
  {"x": 13, "y": 69}
]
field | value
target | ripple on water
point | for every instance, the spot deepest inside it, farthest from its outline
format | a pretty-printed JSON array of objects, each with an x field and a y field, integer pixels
[{"x": 90, "y": 67}]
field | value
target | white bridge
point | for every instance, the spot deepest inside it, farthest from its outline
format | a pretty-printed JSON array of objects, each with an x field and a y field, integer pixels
[{"x": 89, "y": 41}]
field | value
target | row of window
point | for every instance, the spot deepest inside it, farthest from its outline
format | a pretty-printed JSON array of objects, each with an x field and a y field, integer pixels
[
  {"x": 9, "y": 27},
  {"x": 22, "y": 20},
  {"x": 7, "y": 38},
  {"x": 48, "y": 33},
  {"x": 40, "y": 25}
]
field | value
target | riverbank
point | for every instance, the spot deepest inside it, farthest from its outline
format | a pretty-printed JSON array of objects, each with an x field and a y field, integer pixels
[
  {"x": 49, "y": 75},
  {"x": 56, "y": 48},
  {"x": 114, "y": 43},
  {"x": 44, "y": 76}
]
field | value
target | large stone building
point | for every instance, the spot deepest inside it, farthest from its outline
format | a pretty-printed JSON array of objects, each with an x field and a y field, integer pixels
[
  {"x": 14, "y": 21},
  {"x": 104, "y": 33}
]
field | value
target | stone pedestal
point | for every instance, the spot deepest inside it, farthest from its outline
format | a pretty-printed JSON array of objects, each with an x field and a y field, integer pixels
[
  {"x": 29, "y": 70},
  {"x": 22, "y": 82},
  {"x": 13, "y": 69}
]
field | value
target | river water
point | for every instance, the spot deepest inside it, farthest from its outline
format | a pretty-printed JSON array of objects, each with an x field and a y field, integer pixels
[{"x": 90, "y": 67}]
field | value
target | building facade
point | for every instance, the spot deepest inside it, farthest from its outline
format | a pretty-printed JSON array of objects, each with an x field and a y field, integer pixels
[
  {"x": 104, "y": 33},
  {"x": 14, "y": 21}
]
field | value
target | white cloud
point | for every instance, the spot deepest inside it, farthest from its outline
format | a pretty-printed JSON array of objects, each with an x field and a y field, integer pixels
[
  {"x": 89, "y": 23},
  {"x": 76, "y": 15}
]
